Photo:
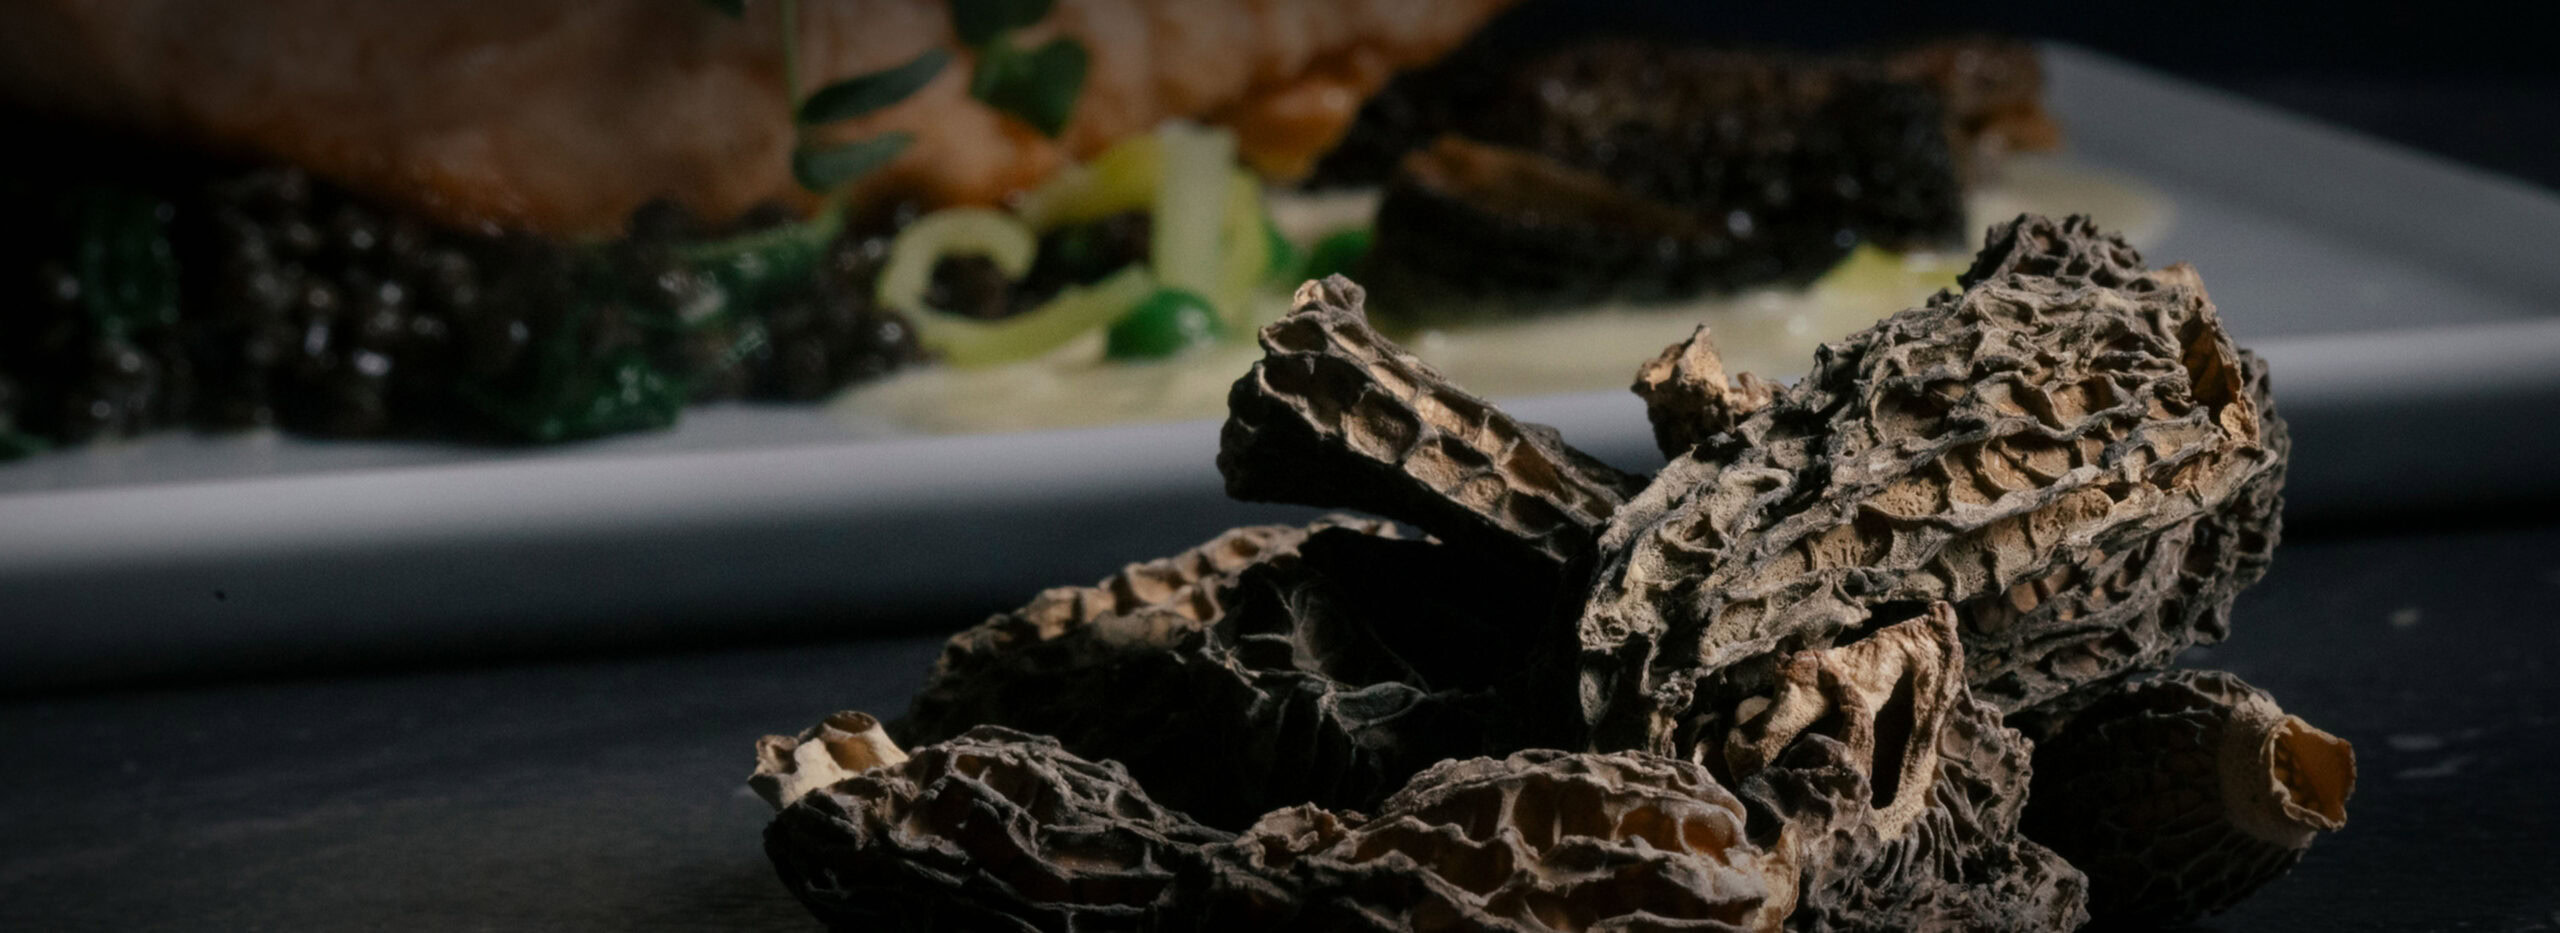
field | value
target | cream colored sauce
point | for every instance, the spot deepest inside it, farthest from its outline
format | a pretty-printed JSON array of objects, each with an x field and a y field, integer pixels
[{"x": 1772, "y": 332}]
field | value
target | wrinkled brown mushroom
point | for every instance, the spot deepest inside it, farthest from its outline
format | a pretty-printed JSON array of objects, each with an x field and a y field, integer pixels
[
  {"x": 1790, "y": 682},
  {"x": 1960, "y": 865},
  {"x": 1000, "y": 829},
  {"x": 1151, "y": 603},
  {"x": 2182, "y": 794},
  {"x": 1226, "y": 678},
  {"x": 1894, "y": 791},
  {"x": 1884, "y": 697},
  {"x": 1336, "y": 416},
  {"x": 1689, "y": 398},
  {"x": 1541, "y": 840},
  {"x": 838, "y": 747},
  {"x": 2066, "y": 403},
  {"x": 995, "y": 829}
]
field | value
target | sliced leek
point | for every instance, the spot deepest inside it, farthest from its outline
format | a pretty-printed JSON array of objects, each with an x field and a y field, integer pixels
[
  {"x": 966, "y": 342},
  {"x": 1245, "y": 260},
  {"x": 1121, "y": 179},
  {"x": 958, "y": 231},
  {"x": 1190, "y": 208}
]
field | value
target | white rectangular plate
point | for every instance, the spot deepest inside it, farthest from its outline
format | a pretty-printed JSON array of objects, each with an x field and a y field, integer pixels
[{"x": 2403, "y": 301}]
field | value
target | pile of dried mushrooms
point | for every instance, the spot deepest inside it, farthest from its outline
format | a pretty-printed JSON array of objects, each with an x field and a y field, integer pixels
[{"x": 1878, "y": 650}]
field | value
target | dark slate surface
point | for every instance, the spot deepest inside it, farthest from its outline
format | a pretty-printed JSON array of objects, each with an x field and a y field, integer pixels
[{"x": 606, "y": 795}]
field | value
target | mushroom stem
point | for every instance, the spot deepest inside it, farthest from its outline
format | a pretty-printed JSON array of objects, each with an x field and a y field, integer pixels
[
  {"x": 838, "y": 747},
  {"x": 2283, "y": 779},
  {"x": 1689, "y": 398}
]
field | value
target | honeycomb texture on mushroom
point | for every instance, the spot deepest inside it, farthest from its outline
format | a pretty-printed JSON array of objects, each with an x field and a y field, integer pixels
[
  {"x": 1885, "y": 698},
  {"x": 1266, "y": 685},
  {"x": 994, "y": 830},
  {"x": 2180, "y": 795},
  {"x": 1805, "y": 678},
  {"x": 1896, "y": 792},
  {"x": 2066, "y": 403},
  {"x": 2107, "y": 614},
  {"x": 1540, "y": 840},
  {"x": 1336, "y": 416},
  {"x": 1150, "y": 602}
]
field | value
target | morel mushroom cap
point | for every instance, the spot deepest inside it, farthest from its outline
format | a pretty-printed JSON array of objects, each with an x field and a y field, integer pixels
[
  {"x": 1541, "y": 840},
  {"x": 1957, "y": 866},
  {"x": 1894, "y": 792},
  {"x": 2183, "y": 794},
  {"x": 994, "y": 829},
  {"x": 1336, "y": 416},
  {"x": 999, "y": 829},
  {"x": 2066, "y": 403},
  {"x": 1251, "y": 682},
  {"x": 1884, "y": 697},
  {"x": 1836, "y": 602},
  {"x": 1171, "y": 594}
]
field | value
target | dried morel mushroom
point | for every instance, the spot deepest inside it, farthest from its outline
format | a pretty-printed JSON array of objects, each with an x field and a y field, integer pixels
[
  {"x": 995, "y": 829},
  {"x": 2128, "y": 610},
  {"x": 838, "y": 747},
  {"x": 1688, "y": 397},
  {"x": 1224, "y": 678},
  {"x": 2066, "y": 404},
  {"x": 1541, "y": 840},
  {"x": 1146, "y": 603},
  {"x": 1000, "y": 829},
  {"x": 1780, "y": 683},
  {"x": 2182, "y": 794},
  {"x": 1893, "y": 790},
  {"x": 1337, "y": 416}
]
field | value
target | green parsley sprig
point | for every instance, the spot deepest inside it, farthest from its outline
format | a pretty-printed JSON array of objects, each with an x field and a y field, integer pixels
[{"x": 1035, "y": 84}]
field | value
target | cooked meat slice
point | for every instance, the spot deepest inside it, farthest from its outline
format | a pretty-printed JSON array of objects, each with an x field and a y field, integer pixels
[{"x": 562, "y": 118}]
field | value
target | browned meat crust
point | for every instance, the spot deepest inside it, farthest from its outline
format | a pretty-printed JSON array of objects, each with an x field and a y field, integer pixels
[{"x": 562, "y": 117}]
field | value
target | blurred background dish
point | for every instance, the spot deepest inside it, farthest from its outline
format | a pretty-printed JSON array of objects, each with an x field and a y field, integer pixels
[
  {"x": 2397, "y": 326},
  {"x": 513, "y": 225}
]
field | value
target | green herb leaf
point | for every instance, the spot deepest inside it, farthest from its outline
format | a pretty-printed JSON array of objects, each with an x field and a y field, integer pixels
[
  {"x": 979, "y": 22},
  {"x": 753, "y": 270},
  {"x": 822, "y": 168},
  {"x": 1284, "y": 258},
  {"x": 595, "y": 364},
  {"x": 124, "y": 258},
  {"x": 861, "y": 94},
  {"x": 735, "y": 9},
  {"x": 1339, "y": 252},
  {"x": 1039, "y": 86},
  {"x": 1168, "y": 322},
  {"x": 14, "y": 444},
  {"x": 618, "y": 393}
]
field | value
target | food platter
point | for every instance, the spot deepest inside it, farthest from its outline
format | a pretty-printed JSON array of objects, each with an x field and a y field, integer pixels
[{"x": 2400, "y": 299}]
